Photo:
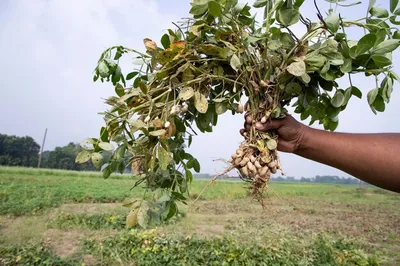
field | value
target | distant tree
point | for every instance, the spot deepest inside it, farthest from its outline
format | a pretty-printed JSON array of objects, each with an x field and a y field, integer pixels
[
  {"x": 64, "y": 158},
  {"x": 18, "y": 151}
]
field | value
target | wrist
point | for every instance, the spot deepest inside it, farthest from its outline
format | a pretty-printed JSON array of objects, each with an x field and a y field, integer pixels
[{"x": 305, "y": 136}]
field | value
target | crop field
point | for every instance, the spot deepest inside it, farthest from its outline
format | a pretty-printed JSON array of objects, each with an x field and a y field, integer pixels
[{"x": 51, "y": 217}]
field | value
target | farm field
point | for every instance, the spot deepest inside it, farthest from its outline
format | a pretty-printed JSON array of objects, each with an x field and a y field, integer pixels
[{"x": 51, "y": 217}]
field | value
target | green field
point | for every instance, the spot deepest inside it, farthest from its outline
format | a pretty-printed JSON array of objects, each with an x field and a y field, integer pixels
[{"x": 51, "y": 217}]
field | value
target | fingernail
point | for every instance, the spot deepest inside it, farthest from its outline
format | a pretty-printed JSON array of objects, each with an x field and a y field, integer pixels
[{"x": 259, "y": 125}]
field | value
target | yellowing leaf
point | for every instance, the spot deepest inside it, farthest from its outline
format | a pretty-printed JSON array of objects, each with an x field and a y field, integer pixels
[
  {"x": 106, "y": 146},
  {"x": 178, "y": 45},
  {"x": 132, "y": 218},
  {"x": 97, "y": 159},
  {"x": 187, "y": 75},
  {"x": 83, "y": 157},
  {"x": 186, "y": 93},
  {"x": 200, "y": 102},
  {"x": 235, "y": 62},
  {"x": 137, "y": 124},
  {"x": 272, "y": 144},
  {"x": 297, "y": 68},
  {"x": 158, "y": 133},
  {"x": 163, "y": 157}
]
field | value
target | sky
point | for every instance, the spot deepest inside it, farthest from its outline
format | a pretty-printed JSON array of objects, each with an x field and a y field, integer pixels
[{"x": 49, "y": 50}]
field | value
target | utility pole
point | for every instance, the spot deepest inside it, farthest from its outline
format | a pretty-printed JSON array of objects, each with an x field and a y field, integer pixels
[{"x": 41, "y": 148}]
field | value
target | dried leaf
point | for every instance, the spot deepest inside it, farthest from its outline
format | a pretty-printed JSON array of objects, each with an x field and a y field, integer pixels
[
  {"x": 297, "y": 68},
  {"x": 272, "y": 144},
  {"x": 150, "y": 45},
  {"x": 186, "y": 93},
  {"x": 200, "y": 102},
  {"x": 235, "y": 62},
  {"x": 132, "y": 218},
  {"x": 158, "y": 133}
]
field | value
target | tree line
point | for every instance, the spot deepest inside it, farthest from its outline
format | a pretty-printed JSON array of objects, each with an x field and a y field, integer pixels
[{"x": 24, "y": 151}]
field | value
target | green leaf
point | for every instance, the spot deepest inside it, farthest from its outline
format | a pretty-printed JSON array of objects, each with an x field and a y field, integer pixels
[
  {"x": 214, "y": 9},
  {"x": 379, "y": 104},
  {"x": 338, "y": 100},
  {"x": 332, "y": 112},
  {"x": 381, "y": 60},
  {"x": 235, "y": 62},
  {"x": 274, "y": 45},
  {"x": 119, "y": 90},
  {"x": 221, "y": 108},
  {"x": 198, "y": 10},
  {"x": 107, "y": 171},
  {"x": 315, "y": 61},
  {"x": 293, "y": 88},
  {"x": 196, "y": 166},
  {"x": 386, "y": 46},
  {"x": 298, "y": 3},
  {"x": 393, "y": 5},
  {"x": 260, "y": 3},
  {"x": 97, "y": 159},
  {"x": 371, "y": 4},
  {"x": 165, "y": 41},
  {"x": 158, "y": 133},
  {"x": 371, "y": 96},
  {"x": 333, "y": 22},
  {"x": 163, "y": 157},
  {"x": 106, "y": 146},
  {"x": 131, "y": 75},
  {"x": 379, "y": 12},
  {"x": 83, "y": 157},
  {"x": 200, "y": 102},
  {"x": 297, "y": 68},
  {"x": 288, "y": 16},
  {"x": 393, "y": 20},
  {"x": 180, "y": 126},
  {"x": 356, "y": 92},
  {"x": 103, "y": 69},
  {"x": 143, "y": 216},
  {"x": 365, "y": 44},
  {"x": 190, "y": 139},
  {"x": 347, "y": 66}
]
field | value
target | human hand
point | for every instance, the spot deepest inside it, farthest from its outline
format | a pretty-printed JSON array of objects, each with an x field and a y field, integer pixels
[{"x": 291, "y": 132}]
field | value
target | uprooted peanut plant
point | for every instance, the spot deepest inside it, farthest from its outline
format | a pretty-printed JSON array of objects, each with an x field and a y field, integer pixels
[{"x": 205, "y": 67}]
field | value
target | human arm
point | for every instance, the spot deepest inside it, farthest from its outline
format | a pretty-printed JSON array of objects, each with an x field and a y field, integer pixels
[{"x": 373, "y": 158}]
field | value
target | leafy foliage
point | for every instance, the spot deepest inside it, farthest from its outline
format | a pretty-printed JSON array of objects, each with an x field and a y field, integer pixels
[
  {"x": 31, "y": 255},
  {"x": 146, "y": 248},
  {"x": 204, "y": 69},
  {"x": 18, "y": 151}
]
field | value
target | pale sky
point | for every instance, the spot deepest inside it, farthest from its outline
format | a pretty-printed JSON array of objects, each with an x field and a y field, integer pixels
[{"x": 49, "y": 49}]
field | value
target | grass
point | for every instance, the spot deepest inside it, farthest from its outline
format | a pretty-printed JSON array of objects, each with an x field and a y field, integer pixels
[
  {"x": 29, "y": 191},
  {"x": 64, "y": 218}
]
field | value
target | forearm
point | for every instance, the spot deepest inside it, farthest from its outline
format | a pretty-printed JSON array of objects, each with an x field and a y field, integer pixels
[{"x": 373, "y": 158}]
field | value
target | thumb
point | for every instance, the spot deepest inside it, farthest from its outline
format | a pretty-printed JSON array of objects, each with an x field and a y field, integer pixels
[{"x": 271, "y": 124}]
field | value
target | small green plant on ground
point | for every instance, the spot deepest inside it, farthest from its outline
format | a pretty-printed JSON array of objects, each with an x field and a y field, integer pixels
[
  {"x": 146, "y": 248},
  {"x": 31, "y": 255},
  {"x": 208, "y": 63}
]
